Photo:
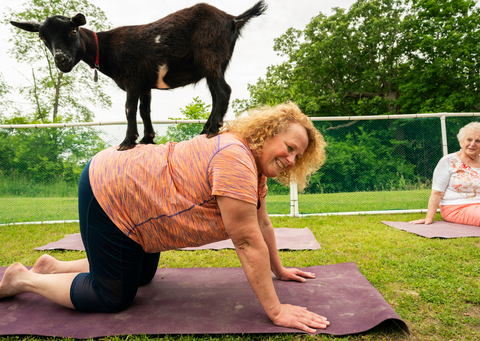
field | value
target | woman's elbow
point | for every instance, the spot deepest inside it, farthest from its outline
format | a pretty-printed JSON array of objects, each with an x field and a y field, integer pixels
[{"x": 437, "y": 194}]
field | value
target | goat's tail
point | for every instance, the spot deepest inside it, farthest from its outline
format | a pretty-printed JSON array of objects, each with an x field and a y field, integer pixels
[{"x": 257, "y": 10}]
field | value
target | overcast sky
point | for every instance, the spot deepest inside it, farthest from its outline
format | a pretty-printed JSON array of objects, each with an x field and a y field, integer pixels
[{"x": 253, "y": 51}]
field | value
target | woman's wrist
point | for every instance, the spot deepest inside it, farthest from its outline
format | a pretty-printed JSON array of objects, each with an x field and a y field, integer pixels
[{"x": 277, "y": 272}]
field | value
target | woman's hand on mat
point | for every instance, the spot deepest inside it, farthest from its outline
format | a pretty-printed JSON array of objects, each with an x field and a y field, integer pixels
[
  {"x": 293, "y": 274},
  {"x": 422, "y": 221},
  {"x": 292, "y": 316}
]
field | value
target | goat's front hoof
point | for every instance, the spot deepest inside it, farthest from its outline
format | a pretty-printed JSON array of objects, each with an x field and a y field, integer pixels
[
  {"x": 124, "y": 146},
  {"x": 128, "y": 143}
]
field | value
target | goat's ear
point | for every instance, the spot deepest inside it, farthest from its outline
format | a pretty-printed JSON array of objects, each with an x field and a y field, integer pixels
[
  {"x": 30, "y": 26},
  {"x": 79, "y": 20}
]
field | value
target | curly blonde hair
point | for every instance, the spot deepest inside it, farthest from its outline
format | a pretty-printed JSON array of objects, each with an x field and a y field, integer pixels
[{"x": 263, "y": 123}]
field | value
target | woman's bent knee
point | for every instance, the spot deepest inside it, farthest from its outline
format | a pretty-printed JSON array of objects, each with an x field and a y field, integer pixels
[
  {"x": 149, "y": 267},
  {"x": 107, "y": 296}
]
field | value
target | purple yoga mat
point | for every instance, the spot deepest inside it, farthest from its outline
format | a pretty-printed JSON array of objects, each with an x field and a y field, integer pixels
[
  {"x": 208, "y": 301},
  {"x": 438, "y": 229},
  {"x": 69, "y": 242},
  {"x": 287, "y": 239}
]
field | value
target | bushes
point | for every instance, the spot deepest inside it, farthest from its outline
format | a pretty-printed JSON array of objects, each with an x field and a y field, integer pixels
[
  {"x": 362, "y": 162},
  {"x": 46, "y": 155},
  {"x": 366, "y": 157}
]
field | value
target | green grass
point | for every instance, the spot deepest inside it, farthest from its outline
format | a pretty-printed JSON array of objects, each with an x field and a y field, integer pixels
[
  {"x": 19, "y": 186},
  {"x": 20, "y": 209},
  {"x": 433, "y": 284},
  {"x": 25, "y": 209},
  {"x": 351, "y": 202}
]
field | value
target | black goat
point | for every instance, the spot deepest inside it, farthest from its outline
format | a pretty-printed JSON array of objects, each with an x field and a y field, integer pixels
[{"x": 180, "y": 49}]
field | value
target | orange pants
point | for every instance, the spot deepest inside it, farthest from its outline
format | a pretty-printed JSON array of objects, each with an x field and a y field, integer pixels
[{"x": 461, "y": 214}]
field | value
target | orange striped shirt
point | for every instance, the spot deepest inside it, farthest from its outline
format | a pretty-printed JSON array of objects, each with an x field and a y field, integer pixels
[{"x": 163, "y": 196}]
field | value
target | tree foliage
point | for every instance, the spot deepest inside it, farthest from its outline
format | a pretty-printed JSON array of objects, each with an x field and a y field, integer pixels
[
  {"x": 196, "y": 110},
  {"x": 442, "y": 52},
  {"x": 362, "y": 161},
  {"x": 50, "y": 155},
  {"x": 56, "y": 96},
  {"x": 45, "y": 155},
  {"x": 5, "y": 103},
  {"x": 379, "y": 57}
]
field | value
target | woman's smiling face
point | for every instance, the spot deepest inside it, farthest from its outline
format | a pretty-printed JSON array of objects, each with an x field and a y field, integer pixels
[{"x": 281, "y": 152}]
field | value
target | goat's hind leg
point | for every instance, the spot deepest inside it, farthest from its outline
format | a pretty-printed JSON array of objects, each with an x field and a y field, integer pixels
[
  {"x": 220, "y": 91},
  {"x": 149, "y": 132},
  {"x": 131, "y": 113}
]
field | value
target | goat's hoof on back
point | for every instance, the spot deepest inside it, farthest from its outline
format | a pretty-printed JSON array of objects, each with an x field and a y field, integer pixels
[
  {"x": 210, "y": 130},
  {"x": 147, "y": 140},
  {"x": 124, "y": 146},
  {"x": 210, "y": 135}
]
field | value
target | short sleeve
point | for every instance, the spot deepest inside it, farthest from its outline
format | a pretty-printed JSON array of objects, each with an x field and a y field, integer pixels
[
  {"x": 232, "y": 173},
  {"x": 441, "y": 176},
  {"x": 262, "y": 187}
]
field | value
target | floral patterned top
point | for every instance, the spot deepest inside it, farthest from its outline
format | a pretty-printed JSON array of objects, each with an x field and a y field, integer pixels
[{"x": 460, "y": 182}]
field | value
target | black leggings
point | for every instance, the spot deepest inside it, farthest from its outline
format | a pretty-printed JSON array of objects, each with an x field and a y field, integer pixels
[{"x": 118, "y": 265}]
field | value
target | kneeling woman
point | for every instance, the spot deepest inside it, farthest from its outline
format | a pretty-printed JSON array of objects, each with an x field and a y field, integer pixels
[
  {"x": 136, "y": 203},
  {"x": 456, "y": 182}
]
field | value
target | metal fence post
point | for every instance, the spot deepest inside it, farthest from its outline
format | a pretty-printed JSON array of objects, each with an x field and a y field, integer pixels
[
  {"x": 444, "y": 134},
  {"x": 293, "y": 200}
]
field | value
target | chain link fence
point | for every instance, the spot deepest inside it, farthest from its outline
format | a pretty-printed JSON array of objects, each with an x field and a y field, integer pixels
[{"x": 374, "y": 164}]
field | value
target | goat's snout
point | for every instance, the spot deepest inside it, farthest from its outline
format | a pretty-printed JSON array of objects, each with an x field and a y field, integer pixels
[{"x": 63, "y": 61}]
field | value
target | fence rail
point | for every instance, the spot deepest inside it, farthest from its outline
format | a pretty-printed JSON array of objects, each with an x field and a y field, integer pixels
[{"x": 375, "y": 164}]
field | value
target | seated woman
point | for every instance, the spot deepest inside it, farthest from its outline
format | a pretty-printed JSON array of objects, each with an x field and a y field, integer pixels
[
  {"x": 456, "y": 182},
  {"x": 134, "y": 204}
]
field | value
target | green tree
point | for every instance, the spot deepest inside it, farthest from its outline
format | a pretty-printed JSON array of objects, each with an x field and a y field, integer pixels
[
  {"x": 5, "y": 104},
  {"x": 442, "y": 57},
  {"x": 379, "y": 57},
  {"x": 57, "y": 96},
  {"x": 196, "y": 110},
  {"x": 362, "y": 161},
  {"x": 45, "y": 155}
]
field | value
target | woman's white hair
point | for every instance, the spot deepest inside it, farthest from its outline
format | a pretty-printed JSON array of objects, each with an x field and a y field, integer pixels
[{"x": 463, "y": 131}]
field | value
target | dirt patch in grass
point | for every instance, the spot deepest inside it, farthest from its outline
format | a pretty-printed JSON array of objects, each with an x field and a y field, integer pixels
[{"x": 410, "y": 293}]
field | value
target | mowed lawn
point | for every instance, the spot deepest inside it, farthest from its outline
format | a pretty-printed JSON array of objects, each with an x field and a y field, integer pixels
[
  {"x": 20, "y": 209},
  {"x": 351, "y": 202},
  {"x": 24, "y": 209},
  {"x": 433, "y": 284}
]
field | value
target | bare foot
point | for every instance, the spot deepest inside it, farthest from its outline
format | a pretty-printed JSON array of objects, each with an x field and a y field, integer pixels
[
  {"x": 11, "y": 280},
  {"x": 45, "y": 264}
]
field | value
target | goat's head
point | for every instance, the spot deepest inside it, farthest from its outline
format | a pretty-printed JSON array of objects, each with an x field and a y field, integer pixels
[{"x": 60, "y": 35}]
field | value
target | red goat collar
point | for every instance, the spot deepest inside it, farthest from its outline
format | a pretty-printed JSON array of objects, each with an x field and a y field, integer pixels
[{"x": 97, "y": 66}]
